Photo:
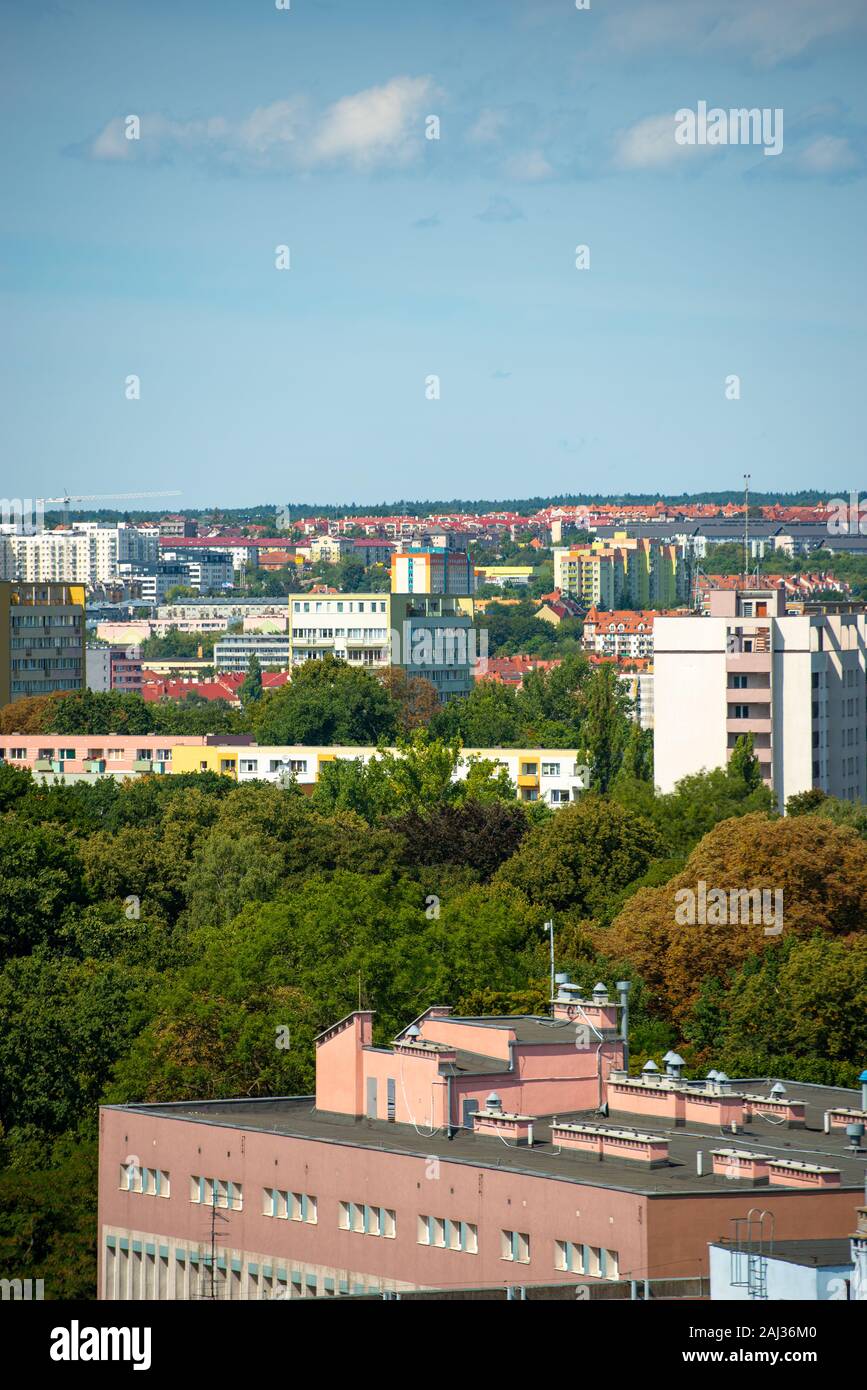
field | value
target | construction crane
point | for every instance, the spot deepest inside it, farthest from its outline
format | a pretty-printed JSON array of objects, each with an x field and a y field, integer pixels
[{"x": 42, "y": 502}]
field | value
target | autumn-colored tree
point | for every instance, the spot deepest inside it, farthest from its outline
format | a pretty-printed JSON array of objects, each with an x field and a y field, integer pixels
[
  {"x": 26, "y": 716},
  {"x": 819, "y": 869},
  {"x": 417, "y": 698}
]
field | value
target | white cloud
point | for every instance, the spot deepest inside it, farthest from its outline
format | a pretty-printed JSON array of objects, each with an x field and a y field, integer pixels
[
  {"x": 111, "y": 142},
  {"x": 380, "y": 126},
  {"x": 270, "y": 128},
  {"x": 650, "y": 144}
]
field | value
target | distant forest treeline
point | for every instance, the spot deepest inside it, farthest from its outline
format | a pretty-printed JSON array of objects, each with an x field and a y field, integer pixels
[{"x": 265, "y": 512}]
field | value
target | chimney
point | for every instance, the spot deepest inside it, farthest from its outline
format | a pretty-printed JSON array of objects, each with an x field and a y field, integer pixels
[{"x": 623, "y": 988}]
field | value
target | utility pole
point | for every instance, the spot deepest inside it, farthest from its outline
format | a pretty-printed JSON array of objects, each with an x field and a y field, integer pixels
[
  {"x": 746, "y": 529},
  {"x": 549, "y": 928}
]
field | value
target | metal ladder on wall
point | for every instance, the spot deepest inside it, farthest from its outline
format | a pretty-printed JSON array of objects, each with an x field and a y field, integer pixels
[{"x": 752, "y": 1244}]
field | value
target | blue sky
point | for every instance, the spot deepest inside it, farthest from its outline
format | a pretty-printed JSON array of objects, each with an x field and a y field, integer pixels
[{"x": 413, "y": 257}]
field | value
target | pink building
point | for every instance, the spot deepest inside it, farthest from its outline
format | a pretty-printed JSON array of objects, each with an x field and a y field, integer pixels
[
  {"x": 467, "y": 1152},
  {"x": 101, "y": 754}
]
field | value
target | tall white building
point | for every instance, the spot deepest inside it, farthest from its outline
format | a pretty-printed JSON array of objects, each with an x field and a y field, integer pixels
[
  {"x": 88, "y": 553},
  {"x": 795, "y": 682}
]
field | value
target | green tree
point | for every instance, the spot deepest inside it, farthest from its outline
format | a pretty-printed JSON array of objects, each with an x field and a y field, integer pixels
[
  {"x": 585, "y": 853},
  {"x": 251, "y": 686},
  {"x": 327, "y": 702},
  {"x": 744, "y": 765},
  {"x": 40, "y": 880},
  {"x": 605, "y": 725}
]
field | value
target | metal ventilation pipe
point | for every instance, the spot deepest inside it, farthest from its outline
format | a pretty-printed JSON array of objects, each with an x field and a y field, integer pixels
[{"x": 623, "y": 988}]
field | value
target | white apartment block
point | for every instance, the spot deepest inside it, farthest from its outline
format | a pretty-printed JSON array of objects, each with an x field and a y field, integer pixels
[
  {"x": 89, "y": 553},
  {"x": 797, "y": 683},
  {"x": 639, "y": 687},
  {"x": 431, "y": 636},
  {"x": 233, "y": 652},
  {"x": 354, "y": 627}
]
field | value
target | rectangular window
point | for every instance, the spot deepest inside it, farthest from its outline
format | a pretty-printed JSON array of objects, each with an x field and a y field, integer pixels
[
  {"x": 515, "y": 1245},
  {"x": 550, "y": 769}
]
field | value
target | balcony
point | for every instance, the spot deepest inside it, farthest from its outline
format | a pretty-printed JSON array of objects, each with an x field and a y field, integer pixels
[
  {"x": 745, "y": 663},
  {"x": 749, "y": 726},
  {"x": 753, "y": 695}
]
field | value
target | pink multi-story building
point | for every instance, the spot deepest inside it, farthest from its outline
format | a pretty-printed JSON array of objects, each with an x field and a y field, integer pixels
[
  {"x": 117, "y": 755},
  {"x": 467, "y": 1152}
]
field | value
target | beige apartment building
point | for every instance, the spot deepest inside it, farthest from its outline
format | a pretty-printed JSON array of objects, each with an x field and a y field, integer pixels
[{"x": 795, "y": 682}]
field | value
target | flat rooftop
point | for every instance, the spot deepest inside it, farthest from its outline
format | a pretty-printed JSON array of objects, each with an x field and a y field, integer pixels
[
  {"x": 297, "y": 1117},
  {"x": 815, "y": 1254}
]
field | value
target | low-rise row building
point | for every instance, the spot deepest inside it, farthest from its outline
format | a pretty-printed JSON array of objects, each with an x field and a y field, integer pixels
[
  {"x": 465, "y": 1152},
  {"x": 552, "y": 775}
]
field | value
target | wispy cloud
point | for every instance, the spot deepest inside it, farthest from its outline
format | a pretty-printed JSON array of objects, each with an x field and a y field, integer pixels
[
  {"x": 488, "y": 127},
  {"x": 529, "y": 167},
  {"x": 500, "y": 209},
  {"x": 380, "y": 127},
  {"x": 767, "y": 32}
]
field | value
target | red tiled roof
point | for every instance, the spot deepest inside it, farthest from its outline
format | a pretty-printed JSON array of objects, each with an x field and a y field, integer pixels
[{"x": 223, "y": 687}]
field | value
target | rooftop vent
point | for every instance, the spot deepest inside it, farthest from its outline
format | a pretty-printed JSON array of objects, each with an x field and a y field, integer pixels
[
  {"x": 649, "y": 1067},
  {"x": 413, "y": 1032},
  {"x": 674, "y": 1063},
  {"x": 600, "y": 993},
  {"x": 493, "y": 1102},
  {"x": 778, "y": 1089},
  {"x": 855, "y": 1133}
]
